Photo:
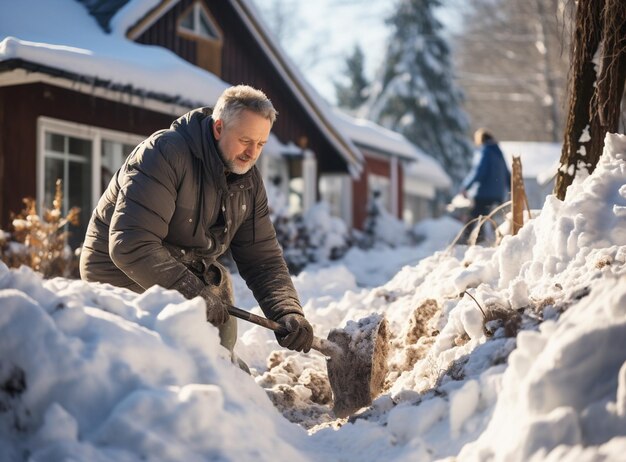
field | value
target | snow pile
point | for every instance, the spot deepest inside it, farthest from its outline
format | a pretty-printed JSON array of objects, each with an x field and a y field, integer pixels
[
  {"x": 564, "y": 388},
  {"x": 509, "y": 353},
  {"x": 89, "y": 372}
]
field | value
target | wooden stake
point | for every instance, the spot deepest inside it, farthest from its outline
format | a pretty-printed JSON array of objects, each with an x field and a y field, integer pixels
[{"x": 518, "y": 196}]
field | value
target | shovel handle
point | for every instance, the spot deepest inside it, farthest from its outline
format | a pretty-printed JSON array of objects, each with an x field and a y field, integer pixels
[
  {"x": 258, "y": 320},
  {"x": 324, "y": 346}
]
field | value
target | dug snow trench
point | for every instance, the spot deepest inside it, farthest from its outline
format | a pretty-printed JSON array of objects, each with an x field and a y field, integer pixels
[{"x": 299, "y": 386}]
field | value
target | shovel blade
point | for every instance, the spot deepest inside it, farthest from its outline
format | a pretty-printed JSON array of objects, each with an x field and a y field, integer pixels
[{"x": 357, "y": 375}]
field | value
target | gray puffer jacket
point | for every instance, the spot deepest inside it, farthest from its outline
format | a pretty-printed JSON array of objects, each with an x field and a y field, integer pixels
[{"x": 171, "y": 209}]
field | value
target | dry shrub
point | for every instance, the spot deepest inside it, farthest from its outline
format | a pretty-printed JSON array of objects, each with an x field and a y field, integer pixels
[
  {"x": 41, "y": 242},
  {"x": 498, "y": 316}
]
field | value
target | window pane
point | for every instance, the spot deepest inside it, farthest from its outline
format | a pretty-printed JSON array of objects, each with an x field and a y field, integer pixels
[
  {"x": 187, "y": 21},
  {"x": 205, "y": 27},
  {"x": 55, "y": 142},
  {"x": 380, "y": 189},
  {"x": 80, "y": 147},
  {"x": 79, "y": 195},
  {"x": 53, "y": 171},
  {"x": 114, "y": 154},
  {"x": 111, "y": 154},
  {"x": 127, "y": 149}
]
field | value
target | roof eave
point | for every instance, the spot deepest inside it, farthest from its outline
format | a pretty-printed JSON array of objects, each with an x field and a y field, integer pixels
[{"x": 94, "y": 82}]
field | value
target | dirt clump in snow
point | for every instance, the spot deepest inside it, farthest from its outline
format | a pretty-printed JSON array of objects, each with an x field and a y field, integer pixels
[
  {"x": 415, "y": 342},
  {"x": 298, "y": 386}
]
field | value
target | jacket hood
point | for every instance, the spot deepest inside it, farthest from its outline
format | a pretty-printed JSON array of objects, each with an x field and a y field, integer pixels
[
  {"x": 193, "y": 127},
  {"x": 196, "y": 129}
]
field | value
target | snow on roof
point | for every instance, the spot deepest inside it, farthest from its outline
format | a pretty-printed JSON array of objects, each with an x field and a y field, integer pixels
[
  {"x": 371, "y": 134},
  {"x": 68, "y": 39},
  {"x": 367, "y": 133},
  {"x": 429, "y": 170},
  {"x": 540, "y": 160}
]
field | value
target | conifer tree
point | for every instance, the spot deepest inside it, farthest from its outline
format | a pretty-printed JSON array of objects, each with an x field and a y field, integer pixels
[
  {"x": 352, "y": 95},
  {"x": 414, "y": 92}
]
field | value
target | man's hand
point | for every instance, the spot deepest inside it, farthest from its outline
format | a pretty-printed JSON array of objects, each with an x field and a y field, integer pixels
[
  {"x": 216, "y": 310},
  {"x": 300, "y": 337}
]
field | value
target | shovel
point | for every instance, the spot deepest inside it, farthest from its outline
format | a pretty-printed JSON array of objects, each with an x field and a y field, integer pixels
[{"x": 356, "y": 361}]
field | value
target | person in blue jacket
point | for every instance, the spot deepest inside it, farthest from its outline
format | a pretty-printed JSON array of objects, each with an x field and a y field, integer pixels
[{"x": 490, "y": 177}]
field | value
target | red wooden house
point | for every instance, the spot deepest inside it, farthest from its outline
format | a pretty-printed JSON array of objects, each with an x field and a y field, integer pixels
[{"x": 82, "y": 84}]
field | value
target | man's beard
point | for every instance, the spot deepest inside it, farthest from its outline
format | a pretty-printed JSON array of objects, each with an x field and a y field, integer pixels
[{"x": 233, "y": 167}]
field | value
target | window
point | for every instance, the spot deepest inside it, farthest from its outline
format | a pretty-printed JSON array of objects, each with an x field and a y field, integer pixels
[
  {"x": 336, "y": 189},
  {"x": 198, "y": 22},
  {"x": 379, "y": 188},
  {"x": 85, "y": 159},
  {"x": 113, "y": 155}
]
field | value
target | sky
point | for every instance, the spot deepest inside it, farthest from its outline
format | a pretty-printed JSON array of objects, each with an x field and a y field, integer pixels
[{"x": 509, "y": 353}]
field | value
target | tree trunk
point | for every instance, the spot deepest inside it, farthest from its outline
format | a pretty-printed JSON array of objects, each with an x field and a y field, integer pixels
[
  {"x": 610, "y": 84},
  {"x": 585, "y": 43},
  {"x": 594, "y": 99}
]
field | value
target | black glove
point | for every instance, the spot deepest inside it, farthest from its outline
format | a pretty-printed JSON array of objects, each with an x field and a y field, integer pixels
[
  {"x": 300, "y": 337},
  {"x": 216, "y": 310}
]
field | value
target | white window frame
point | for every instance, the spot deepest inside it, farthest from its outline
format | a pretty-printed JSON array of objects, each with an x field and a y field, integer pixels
[
  {"x": 197, "y": 10},
  {"x": 374, "y": 179},
  {"x": 94, "y": 134}
]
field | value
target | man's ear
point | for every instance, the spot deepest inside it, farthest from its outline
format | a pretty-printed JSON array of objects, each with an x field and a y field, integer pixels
[{"x": 218, "y": 126}]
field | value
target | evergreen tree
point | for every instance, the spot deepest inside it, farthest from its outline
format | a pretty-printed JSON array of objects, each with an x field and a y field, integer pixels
[
  {"x": 414, "y": 93},
  {"x": 352, "y": 95}
]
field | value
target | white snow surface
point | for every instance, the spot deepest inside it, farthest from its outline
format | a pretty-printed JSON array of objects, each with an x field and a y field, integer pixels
[{"x": 93, "y": 372}]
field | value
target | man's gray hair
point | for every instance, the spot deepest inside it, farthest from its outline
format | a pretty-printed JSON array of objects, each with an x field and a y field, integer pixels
[{"x": 239, "y": 98}]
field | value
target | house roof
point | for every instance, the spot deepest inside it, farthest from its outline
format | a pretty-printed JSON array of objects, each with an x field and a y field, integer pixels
[{"x": 41, "y": 37}]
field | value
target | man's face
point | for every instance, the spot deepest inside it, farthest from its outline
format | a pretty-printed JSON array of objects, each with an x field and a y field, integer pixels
[{"x": 241, "y": 141}]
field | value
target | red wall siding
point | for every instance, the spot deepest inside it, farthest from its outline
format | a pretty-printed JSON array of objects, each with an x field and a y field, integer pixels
[
  {"x": 21, "y": 105},
  {"x": 361, "y": 194},
  {"x": 373, "y": 165}
]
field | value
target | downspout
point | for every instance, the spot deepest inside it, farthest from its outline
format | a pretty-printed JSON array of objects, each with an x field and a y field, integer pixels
[
  {"x": 309, "y": 176},
  {"x": 395, "y": 186}
]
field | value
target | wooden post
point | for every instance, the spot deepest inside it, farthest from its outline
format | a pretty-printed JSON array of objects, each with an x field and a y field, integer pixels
[{"x": 518, "y": 196}]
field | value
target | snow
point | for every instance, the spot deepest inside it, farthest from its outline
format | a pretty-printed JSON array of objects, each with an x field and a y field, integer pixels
[{"x": 93, "y": 372}]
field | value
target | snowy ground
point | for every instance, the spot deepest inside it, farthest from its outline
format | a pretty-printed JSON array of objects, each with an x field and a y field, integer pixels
[{"x": 93, "y": 373}]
